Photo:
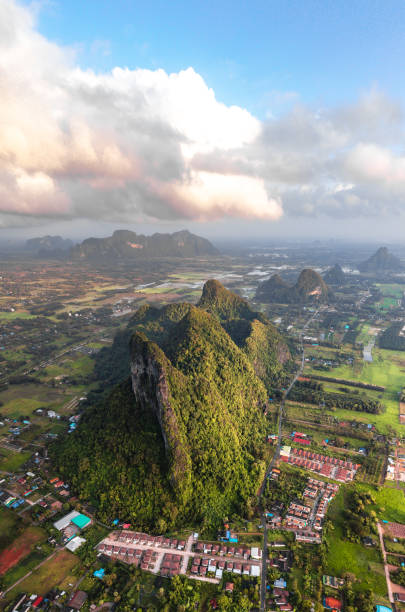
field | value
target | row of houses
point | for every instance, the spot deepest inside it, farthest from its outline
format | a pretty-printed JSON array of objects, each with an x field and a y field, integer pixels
[
  {"x": 145, "y": 559},
  {"x": 208, "y": 548},
  {"x": 171, "y": 565},
  {"x": 204, "y": 566},
  {"x": 135, "y": 537},
  {"x": 330, "y": 467}
]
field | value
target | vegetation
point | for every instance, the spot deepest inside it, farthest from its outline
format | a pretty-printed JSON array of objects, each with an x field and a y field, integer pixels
[
  {"x": 290, "y": 485},
  {"x": 398, "y": 576},
  {"x": 188, "y": 443},
  {"x": 390, "y": 338},
  {"x": 313, "y": 392}
]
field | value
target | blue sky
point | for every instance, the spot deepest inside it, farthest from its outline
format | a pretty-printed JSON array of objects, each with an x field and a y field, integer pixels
[
  {"x": 250, "y": 52},
  {"x": 272, "y": 117}
]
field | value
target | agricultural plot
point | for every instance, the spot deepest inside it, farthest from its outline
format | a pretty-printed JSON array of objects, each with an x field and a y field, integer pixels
[
  {"x": 49, "y": 575},
  {"x": 20, "y": 548},
  {"x": 387, "y": 370}
]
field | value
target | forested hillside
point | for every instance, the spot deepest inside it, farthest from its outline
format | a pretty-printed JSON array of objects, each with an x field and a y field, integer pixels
[{"x": 186, "y": 444}]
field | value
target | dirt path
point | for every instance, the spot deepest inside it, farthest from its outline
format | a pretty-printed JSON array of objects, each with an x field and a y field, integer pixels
[
  {"x": 386, "y": 569},
  {"x": 29, "y": 573}
]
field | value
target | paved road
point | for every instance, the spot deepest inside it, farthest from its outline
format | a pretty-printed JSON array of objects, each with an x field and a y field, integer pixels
[{"x": 272, "y": 463}]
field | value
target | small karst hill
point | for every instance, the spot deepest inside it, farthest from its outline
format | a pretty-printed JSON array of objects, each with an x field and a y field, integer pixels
[
  {"x": 182, "y": 438},
  {"x": 309, "y": 288},
  {"x": 381, "y": 261},
  {"x": 335, "y": 276}
]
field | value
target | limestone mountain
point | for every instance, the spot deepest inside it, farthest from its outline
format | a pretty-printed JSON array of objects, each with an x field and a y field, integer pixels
[
  {"x": 183, "y": 439},
  {"x": 381, "y": 261},
  {"x": 334, "y": 276},
  {"x": 125, "y": 245},
  {"x": 309, "y": 288},
  {"x": 48, "y": 244}
]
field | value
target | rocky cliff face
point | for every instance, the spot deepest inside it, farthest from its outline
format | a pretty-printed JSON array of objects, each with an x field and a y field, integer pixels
[{"x": 150, "y": 384}]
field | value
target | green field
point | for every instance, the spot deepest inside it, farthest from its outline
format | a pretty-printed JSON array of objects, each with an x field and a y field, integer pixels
[
  {"x": 387, "y": 370},
  {"x": 11, "y": 461},
  {"x": 11, "y": 316},
  {"x": 352, "y": 557},
  {"x": 390, "y": 503}
]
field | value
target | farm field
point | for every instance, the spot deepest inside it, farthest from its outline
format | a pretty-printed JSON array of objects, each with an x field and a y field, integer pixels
[
  {"x": 387, "y": 370},
  {"x": 24, "y": 399},
  {"x": 20, "y": 548},
  {"x": 49, "y": 575}
]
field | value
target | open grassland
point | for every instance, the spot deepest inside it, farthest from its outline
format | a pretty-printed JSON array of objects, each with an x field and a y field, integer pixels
[
  {"x": 49, "y": 575},
  {"x": 364, "y": 335},
  {"x": 352, "y": 557},
  {"x": 22, "y": 400},
  {"x": 387, "y": 370}
]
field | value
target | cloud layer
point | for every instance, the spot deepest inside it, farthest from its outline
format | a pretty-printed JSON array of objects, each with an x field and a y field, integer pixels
[{"x": 135, "y": 144}]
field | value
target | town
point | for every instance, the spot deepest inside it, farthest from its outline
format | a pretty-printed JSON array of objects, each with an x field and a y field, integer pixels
[{"x": 329, "y": 526}]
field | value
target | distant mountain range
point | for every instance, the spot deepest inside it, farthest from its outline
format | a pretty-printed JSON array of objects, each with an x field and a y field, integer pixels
[
  {"x": 48, "y": 244},
  {"x": 381, "y": 261},
  {"x": 309, "y": 288},
  {"x": 127, "y": 245}
]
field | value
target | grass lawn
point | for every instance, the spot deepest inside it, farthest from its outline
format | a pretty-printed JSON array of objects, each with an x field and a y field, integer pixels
[
  {"x": 352, "y": 557},
  {"x": 49, "y": 575},
  {"x": 83, "y": 365}
]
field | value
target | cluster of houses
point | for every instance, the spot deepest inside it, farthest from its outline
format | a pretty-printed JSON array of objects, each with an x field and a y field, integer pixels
[
  {"x": 204, "y": 566},
  {"x": 145, "y": 559},
  {"x": 280, "y": 596},
  {"x": 297, "y": 516},
  {"x": 170, "y": 556},
  {"x": 305, "y": 519},
  {"x": 241, "y": 552},
  {"x": 396, "y": 466},
  {"x": 143, "y": 539},
  {"x": 330, "y": 467}
]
